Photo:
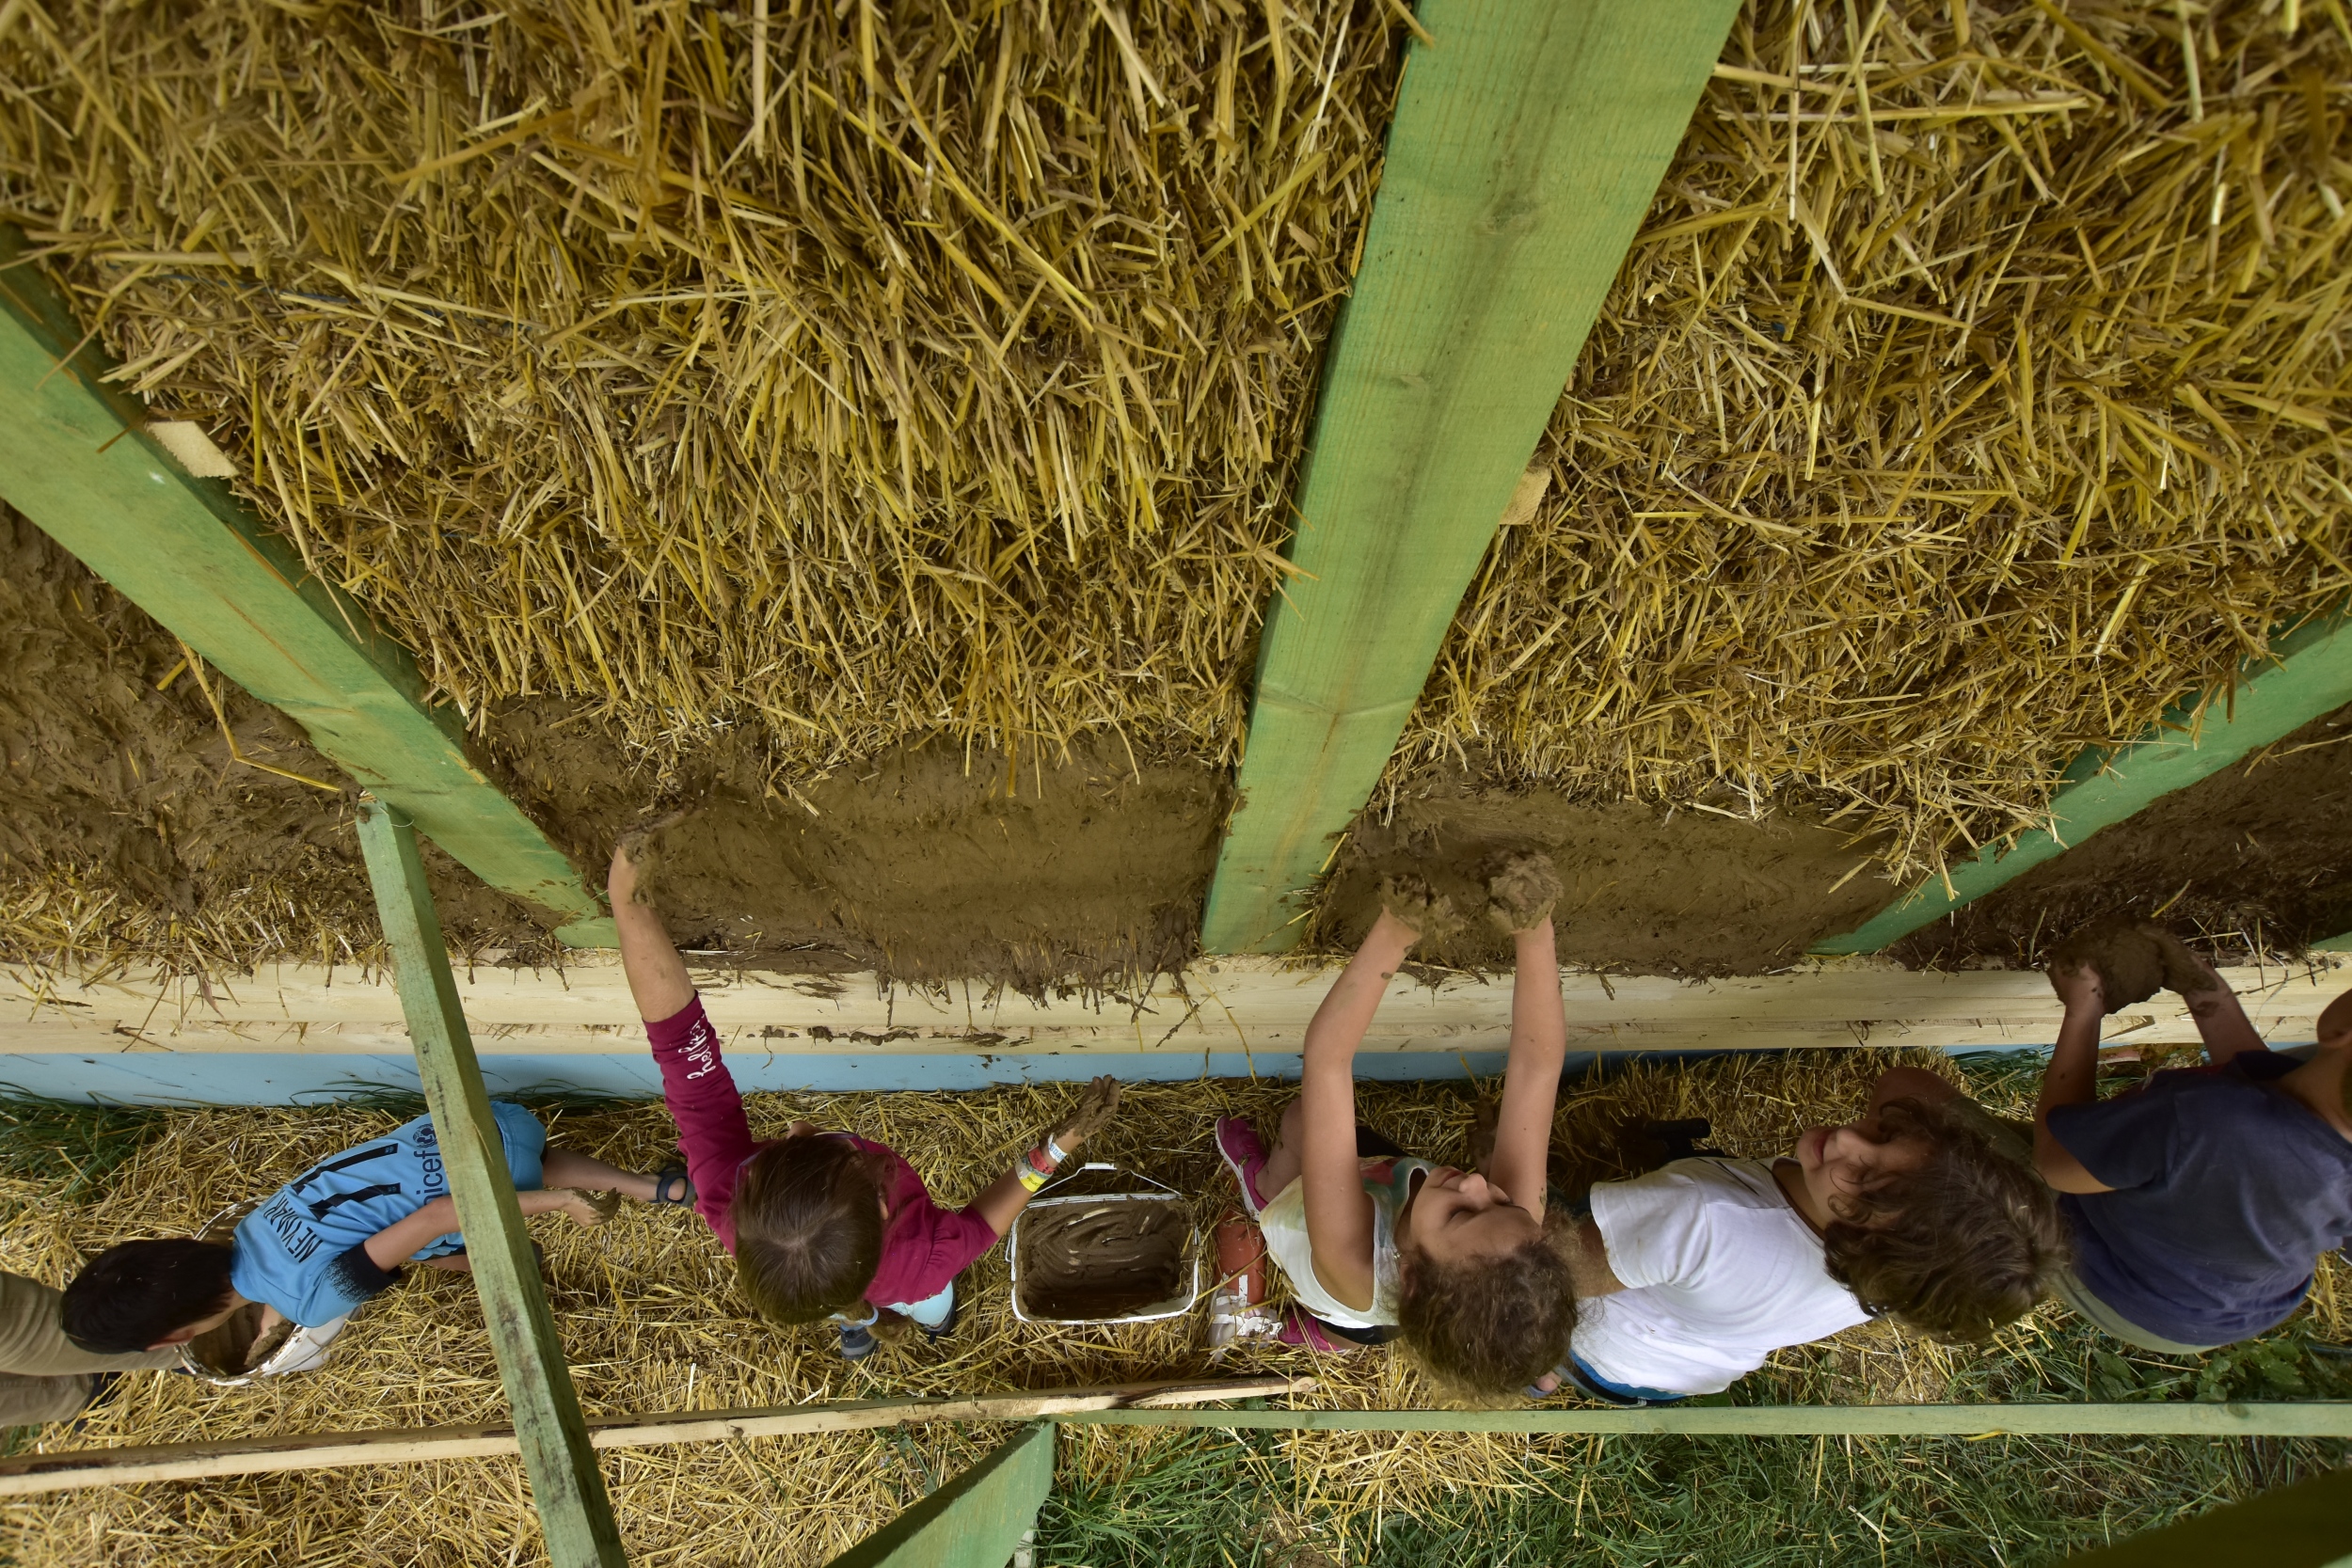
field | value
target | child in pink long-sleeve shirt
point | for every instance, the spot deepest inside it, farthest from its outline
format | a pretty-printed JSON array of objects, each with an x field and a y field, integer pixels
[{"x": 823, "y": 1225}]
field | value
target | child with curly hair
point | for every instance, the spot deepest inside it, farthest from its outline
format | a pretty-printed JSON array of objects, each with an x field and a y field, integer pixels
[
  {"x": 1451, "y": 1262},
  {"x": 1693, "y": 1273},
  {"x": 823, "y": 1225}
]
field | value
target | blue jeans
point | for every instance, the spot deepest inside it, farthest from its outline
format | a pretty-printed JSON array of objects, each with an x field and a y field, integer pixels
[{"x": 1618, "y": 1393}]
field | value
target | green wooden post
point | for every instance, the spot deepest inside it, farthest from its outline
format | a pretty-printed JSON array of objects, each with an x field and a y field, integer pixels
[
  {"x": 78, "y": 462},
  {"x": 1527, "y": 147},
  {"x": 975, "y": 1520},
  {"x": 566, "y": 1484},
  {"x": 2310, "y": 673},
  {"x": 2307, "y": 1525}
]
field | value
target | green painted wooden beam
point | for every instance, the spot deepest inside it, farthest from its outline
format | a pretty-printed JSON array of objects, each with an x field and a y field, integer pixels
[
  {"x": 2307, "y": 1525},
  {"x": 2307, "y": 1418},
  {"x": 1527, "y": 147},
  {"x": 975, "y": 1520},
  {"x": 2309, "y": 673},
  {"x": 78, "y": 462},
  {"x": 567, "y": 1486}
]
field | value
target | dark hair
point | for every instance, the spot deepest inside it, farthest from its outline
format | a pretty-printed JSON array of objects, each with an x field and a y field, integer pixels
[
  {"x": 808, "y": 1227},
  {"x": 1489, "y": 1325},
  {"x": 132, "y": 1296},
  {"x": 1953, "y": 1247}
]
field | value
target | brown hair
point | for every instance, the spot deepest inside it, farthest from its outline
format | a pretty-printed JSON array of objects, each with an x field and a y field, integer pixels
[
  {"x": 1956, "y": 1246},
  {"x": 1489, "y": 1325},
  {"x": 808, "y": 1227}
]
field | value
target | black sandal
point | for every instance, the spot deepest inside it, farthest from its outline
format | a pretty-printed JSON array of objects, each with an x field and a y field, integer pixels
[{"x": 668, "y": 1174}]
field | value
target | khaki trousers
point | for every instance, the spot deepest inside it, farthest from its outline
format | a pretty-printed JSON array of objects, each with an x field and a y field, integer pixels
[{"x": 45, "y": 1376}]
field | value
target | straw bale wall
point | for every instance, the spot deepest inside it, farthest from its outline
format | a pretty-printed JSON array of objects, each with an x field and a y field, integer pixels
[
  {"x": 849, "y": 374},
  {"x": 1976, "y": 389}
]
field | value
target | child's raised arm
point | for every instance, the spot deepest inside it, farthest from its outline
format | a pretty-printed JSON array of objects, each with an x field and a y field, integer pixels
[
  {"x": 1010, "y": 1192},
  {"x": 2221, "y": 1021},
  {"x": 2072, "y": 1077},
  {"x": 1339, "y": 1214},
  {"x": 1524, "y": 892},
  {"x": 657, "y": 975}
]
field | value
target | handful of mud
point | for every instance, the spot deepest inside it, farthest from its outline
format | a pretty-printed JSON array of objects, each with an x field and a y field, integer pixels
[
  {"x": 2135, "y": 959},
  {"x": 1089, "y": 1260},
  {"x": 237, "y": 1345}
]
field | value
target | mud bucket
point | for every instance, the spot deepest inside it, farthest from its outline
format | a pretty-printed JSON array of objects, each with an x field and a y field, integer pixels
[
  {"x": 236, "y": 1351},
  {"x": 1112, "y": 1253}
]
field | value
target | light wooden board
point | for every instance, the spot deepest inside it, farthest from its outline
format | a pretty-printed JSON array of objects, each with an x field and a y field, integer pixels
[
  {"x": 26, "y": 1474},
  {"x": 1250, "y": 1005},
  {"x": 2311, "y": 674},
  {"x": 78, "y": 461},
  {"x": 566, "y": 1485},
  {"x": 1527, "y": 145}
]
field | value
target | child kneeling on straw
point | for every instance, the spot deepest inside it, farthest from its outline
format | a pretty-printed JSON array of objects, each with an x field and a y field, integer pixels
[
  {"x": 330, "y": 1238},
  {"x": 2200, "y": 1201},
  {"x": 1696, "y": 1273},
  {"x": 1453, "y": 1261},
  {"x": 823, "y": 1225}
]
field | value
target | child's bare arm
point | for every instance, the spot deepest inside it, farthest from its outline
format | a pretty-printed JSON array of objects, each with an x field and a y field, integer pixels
[
  {"x": 657, "y": 975},
  {"x": 1339, "y": 1216},
  {"x": 1530, "y": 1081},
  {"x": 2221, "y": 1021},
  {"x": 2072, "y": 1078},
  {"x": 400, "y": 1241},
  {"x": 1005, "y": 1197}
]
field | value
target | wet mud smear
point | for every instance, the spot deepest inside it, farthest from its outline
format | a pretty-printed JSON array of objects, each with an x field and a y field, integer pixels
[
  {"x": 1644, "y": 890},
  {"x": 1101, "y": 1259},
  {"x": 2255, "y": 860}
]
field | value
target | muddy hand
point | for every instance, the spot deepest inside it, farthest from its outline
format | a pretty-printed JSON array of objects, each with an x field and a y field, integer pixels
[
  {"x": 2184, "y": 970},
  {"x": 2078, "y": 984},
  {"x": 1522, "y": 890},
  {"x": 1412, "y": 902},
  {"x": 1094, "y": 1112},
  {"x": 589, "y": 1209}
]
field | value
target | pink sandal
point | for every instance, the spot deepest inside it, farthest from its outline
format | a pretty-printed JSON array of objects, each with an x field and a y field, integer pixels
[{"x": 1237, "y": 1145}]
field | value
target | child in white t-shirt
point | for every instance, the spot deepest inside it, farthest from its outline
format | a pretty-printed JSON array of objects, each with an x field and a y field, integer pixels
[{"x": 1692, "y": 1276}]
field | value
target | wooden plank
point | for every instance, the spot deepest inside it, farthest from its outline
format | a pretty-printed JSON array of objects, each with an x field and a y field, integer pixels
[
  {"x": 1527, "y": 145},
  {"x": 79, "y": 463},
  {"x": 1248, "y": 1004},
  {"x": 2307, "y": 1525},
  {"x": 975, "y": 1520},
  {"x": 26, "y": 1474},
  {"x": 567, "y": 1486},
  {"x": 2328, "y": 1418},
  {"x": 2310, "y": 673}
]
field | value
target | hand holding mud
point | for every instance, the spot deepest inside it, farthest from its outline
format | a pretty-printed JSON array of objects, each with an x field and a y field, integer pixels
[{"x": 1096, "y": 1106}]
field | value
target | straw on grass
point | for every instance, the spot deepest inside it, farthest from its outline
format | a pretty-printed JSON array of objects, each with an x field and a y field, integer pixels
[{"x": 650, "y": 1321}]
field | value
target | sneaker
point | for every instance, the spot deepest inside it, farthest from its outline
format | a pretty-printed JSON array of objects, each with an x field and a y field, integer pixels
[
  {"x": 857, "y": 1342},
  {"x": 1237, "y": 1145}
]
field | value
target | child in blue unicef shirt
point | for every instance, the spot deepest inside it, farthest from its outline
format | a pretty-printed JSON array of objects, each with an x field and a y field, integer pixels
[
  {"x": 2199, "y": 1203},
  {"x": 334, "y": 1236}
]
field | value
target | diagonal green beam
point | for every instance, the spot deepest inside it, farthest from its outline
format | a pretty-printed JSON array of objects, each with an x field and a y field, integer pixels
[
  {"x": 1528, "y": 143},
  {"x": 977, "y": 1520},
  {"x": 2309, "y": 673},
  {"x": 78, "y": 461},
  {"x": 566, "y": 1485}
]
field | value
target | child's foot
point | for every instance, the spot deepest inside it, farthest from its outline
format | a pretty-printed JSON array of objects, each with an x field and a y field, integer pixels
[
  {"x": 857, "y": 1342},
  {"x": 1522, "y": 890},
  {"x": 1237, "y": 1145},
  {"x": 1302, "y": 1327}
]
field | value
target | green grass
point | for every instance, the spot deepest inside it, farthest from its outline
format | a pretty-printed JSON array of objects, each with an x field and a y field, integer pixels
[
  {"x": 1212, "y": 1499},
  {"x": 70, "y": 1144}
]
